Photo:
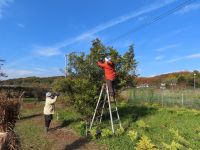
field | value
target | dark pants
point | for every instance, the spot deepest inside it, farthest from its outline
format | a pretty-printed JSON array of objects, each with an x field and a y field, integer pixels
[
  {"x": 48, "y": 119},
  {"x": 111, "y": 87}
]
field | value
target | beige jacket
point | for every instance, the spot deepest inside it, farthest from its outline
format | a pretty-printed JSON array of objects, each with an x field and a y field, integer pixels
[{"x": 49, "y": 107}]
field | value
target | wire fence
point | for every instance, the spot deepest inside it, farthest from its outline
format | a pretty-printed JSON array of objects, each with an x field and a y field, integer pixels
[{"x": 188, "y": 98}]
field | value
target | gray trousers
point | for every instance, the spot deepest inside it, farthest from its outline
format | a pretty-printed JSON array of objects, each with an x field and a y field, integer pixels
[
  {"x": 48, "y": 119},
  {"x": 111, "y": 87}
]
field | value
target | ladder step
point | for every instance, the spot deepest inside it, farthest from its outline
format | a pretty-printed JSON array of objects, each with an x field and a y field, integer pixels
[
  {"x": 116, "y": 120},
  {"x": 98, "y": 116},
  {"x": 103, "y": 101},
  {"x": 114, "y": 111}
]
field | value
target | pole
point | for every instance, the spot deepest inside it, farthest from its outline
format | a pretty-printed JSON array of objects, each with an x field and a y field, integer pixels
[
  {"x": 182, "y": 100},
  {"x": 162, "y": 98},
  {"x": 65, "y": 66},
  {"x": 194, "y": 81}
]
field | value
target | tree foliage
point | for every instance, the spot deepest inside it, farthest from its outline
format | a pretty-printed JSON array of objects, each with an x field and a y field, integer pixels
[
  {"x": 85, "y": 78},
  {"x": 2, "y": 74}
]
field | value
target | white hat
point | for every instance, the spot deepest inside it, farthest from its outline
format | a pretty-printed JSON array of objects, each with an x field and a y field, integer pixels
[
  {"x": 108, "y": 59},
  {"x": 48, "y": 94}
]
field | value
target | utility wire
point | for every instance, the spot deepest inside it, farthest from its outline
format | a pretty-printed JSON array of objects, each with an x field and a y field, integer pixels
[{"x": 156, "y": 19}]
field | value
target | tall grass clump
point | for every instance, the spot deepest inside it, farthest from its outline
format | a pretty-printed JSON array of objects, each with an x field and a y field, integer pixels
[{"x": 9, "y": 111}]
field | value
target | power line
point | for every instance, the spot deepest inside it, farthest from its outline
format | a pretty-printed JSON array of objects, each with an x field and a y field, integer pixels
[{"x": 156, "y": 19}]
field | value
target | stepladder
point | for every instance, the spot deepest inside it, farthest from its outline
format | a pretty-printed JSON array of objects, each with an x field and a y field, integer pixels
[{"x": 104, "y": 104}]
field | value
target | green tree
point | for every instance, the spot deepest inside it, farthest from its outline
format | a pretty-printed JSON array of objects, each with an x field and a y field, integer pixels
[
  {"x": 128, "y": 68},
  {"x": 2, "y": 74},
  {"x": 85, "y": 78},
  {"x": 181, "y": 80}
]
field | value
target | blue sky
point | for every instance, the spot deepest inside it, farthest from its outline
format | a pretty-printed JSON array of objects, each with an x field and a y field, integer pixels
[{"x": 35, "y": 35}]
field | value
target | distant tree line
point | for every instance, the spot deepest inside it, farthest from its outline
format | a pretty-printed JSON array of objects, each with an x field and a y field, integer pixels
[
  {"x": 31, "y": 81},
  {"x": 176, "y": 79},
  {"x": 2, "y": 74}
]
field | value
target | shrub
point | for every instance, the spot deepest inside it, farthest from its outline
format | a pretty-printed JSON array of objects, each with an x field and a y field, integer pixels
[
  {"x": 133, "y": 135},
  {"x": 9, "y": 111},
  {"x": 197, "y": 130},
  {"x": 145, "y": 144},
  {"x": 141, "y": 124},
  {"x": 93, "y": 133},
  {"x": 173, "y": 146},
  {"x": 106, "y": 133},
  {"x": 119, "y": 131},
  {"x": 81, "y": 93},
  {"x": 178, "y": 138},
  {"x": 81, "y": 127}
]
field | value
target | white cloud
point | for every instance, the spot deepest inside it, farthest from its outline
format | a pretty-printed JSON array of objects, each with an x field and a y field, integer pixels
[
  {"x": 21, "y": 25},
  {"x": 39, "y": 72},
  {"x": 192, "y": 56},
  {"x": 123, "y": 43},
  {"x": 47, "y": 51},
  {"x": 159, "y": 58},
  {"x": 55, "y": 49},
  {"x": 13, "y": 63},
  {"x": 167, "y": 47},
  {"x": 16, "y": 73},
  {"x": 171, "y": 34},
  {"x": 41, "y": 69},
  {"x": 150, "y": 76},
  {"x": 142, "y": 18},
  {"x": 188, "y": 8},
  {"x": 111, "y": 23},
  {"x": 3, "y": 4}
]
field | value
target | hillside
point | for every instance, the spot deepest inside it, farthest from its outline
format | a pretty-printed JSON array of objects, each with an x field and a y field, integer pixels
[
  {"x": 182, "y": 78},
  {"x": 31, "y": 81}
]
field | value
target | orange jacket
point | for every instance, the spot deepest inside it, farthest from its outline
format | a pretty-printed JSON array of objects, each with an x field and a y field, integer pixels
[{"x": 109, "y": 69}]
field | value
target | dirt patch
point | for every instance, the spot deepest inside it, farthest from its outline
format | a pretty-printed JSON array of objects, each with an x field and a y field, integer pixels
[
  {"x": 66, "y": 139},
  {"x": 61, "y": 137}
]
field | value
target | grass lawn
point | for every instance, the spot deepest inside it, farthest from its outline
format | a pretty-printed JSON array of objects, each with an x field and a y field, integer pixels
[
  {"x": 30, "y": 130},
  {"x": 159, "y": 124}
]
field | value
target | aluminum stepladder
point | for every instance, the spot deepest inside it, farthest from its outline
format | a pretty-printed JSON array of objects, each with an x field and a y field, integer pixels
[{"x": 104, "y": 100}]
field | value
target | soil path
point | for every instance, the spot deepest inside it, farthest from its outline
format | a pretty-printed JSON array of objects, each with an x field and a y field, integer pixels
[{"x": 63, "y": 137}]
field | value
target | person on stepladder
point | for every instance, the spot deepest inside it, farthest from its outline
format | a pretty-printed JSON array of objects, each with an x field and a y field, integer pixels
[
  {"x": 49, "y": 109},
  {"x": 110, "y": 75}
]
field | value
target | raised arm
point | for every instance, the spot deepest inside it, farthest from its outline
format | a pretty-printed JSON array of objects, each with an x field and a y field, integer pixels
[
  {"x": 111, "y": 63},
  {"x": 100, "y": 64},
  {"x": 52, "y": 100}
]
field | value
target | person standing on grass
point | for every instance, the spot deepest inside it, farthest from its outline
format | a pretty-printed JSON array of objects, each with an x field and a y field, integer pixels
[
  {"x": 110, "y": 75},
  {"x": 49, "y": 109}
]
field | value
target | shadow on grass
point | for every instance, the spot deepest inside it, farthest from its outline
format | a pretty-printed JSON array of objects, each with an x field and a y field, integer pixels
[
  {"x": 65, "y": 123},
  {"x": 29, "y": 117},
  {"x": 135, "y": 112},
  {"x": 132, "y": 112},
  {"x": 129, "y": 114},
  {"x": 77, "y": 144}
]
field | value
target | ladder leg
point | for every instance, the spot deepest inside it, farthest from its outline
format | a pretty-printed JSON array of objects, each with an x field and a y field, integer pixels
[
  {"x": 102, "y": 111},
  {"x": 96, "y": 106},
  {"x": 86, "y": 129},
  {"x": 117, "y": 114},
  {"x": 110, "y": 110}
]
